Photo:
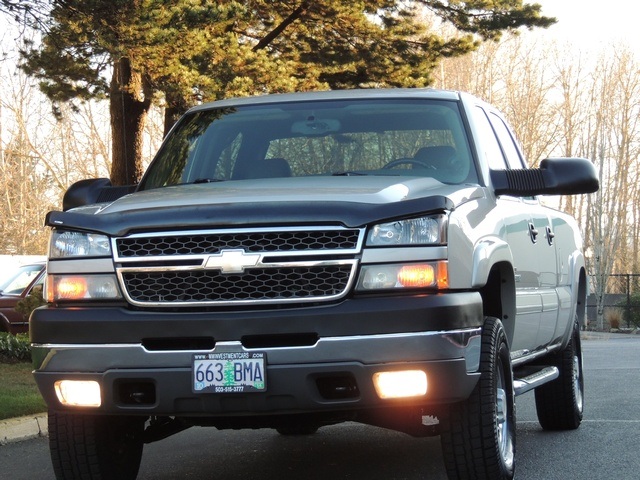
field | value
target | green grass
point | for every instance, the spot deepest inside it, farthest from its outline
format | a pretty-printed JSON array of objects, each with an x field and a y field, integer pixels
[{"x": 19, "y": 395}]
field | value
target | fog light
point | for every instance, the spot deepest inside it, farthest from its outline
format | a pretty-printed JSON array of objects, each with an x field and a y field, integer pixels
[
  {"x": 400, "y": 384},
  {"x": 78, "y": 393}
]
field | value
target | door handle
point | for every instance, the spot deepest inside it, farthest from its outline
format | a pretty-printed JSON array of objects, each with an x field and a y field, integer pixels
[
  {"x": 533, "y": 231},
  {"x": 550, "y": 235}
]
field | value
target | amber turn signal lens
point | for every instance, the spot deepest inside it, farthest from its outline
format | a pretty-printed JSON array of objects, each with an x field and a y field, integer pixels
[
  {"x": 417, "y": 276},
  {"x": 71, "y": 288}
]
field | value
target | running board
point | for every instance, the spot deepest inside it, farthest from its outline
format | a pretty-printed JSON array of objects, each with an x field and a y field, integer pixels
[{"x": 534, "y": 379}]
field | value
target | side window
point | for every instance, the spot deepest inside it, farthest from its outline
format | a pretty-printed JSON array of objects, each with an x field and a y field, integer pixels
[
  {"x": 488, "y": 141},
  {"x": 506, "y": 140}
]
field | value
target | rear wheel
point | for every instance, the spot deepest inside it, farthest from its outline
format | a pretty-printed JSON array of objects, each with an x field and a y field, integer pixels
[
  {"x": 95, "y": 447},
  {"x": 560, "y": 403},
  {"x": 478, "y": 435}
]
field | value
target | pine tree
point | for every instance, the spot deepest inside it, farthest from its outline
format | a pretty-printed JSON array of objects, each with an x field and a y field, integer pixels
[{"x": 183, "y": 52}]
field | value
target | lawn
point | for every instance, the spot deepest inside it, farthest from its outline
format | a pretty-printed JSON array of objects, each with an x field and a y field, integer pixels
[{"x": 19, "y": 395}]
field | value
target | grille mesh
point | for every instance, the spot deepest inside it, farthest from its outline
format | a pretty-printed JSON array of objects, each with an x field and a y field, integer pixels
[
  {"x": 257, "y": 284},
  {"x": 250, "y": 242}
]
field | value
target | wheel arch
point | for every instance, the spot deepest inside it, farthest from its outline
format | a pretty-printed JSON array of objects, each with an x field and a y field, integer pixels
[
  {"x": 579, "y": 288},
  {"x": 494, "y": 278},
  {"x": 581, "y": 298},
  {"x": 499, "y": 297}
]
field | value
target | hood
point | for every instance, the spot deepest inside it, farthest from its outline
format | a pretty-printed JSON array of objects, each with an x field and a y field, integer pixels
[
  {"x": 346, "y": 200},
  {"x": 354, "y": 189}
]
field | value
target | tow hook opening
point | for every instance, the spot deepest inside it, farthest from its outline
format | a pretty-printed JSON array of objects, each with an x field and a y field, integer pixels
[{"x": 338, "y": 387}]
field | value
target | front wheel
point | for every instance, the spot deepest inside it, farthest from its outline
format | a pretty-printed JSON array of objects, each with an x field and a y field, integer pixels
[
  {"x": 95, "y": 447},
  {"x": 478, "y": 435},
  {"x": 560, "y": 403}
]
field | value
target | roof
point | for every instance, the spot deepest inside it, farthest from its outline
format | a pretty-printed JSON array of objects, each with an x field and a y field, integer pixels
[{"x": 327, "y": 95}]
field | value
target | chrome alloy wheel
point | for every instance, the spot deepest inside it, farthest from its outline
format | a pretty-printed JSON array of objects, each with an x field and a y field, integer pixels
[
  {"x": 503, "y": 428},
  {"x": 577, "y": 380}
]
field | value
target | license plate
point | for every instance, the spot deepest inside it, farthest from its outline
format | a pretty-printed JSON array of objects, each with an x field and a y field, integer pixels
[{"x": 229, "y": 372}]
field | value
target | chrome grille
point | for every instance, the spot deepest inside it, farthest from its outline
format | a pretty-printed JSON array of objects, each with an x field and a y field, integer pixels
[{"x": 229, "y": 267}]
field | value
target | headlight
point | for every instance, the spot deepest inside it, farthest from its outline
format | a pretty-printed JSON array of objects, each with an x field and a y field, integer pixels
[
  {"x": 415, "y": 231},
  {"x": 66, "y": 244}
]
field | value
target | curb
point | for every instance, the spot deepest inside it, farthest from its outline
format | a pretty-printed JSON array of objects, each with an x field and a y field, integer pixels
[
  {"x": 23, "y": 428},
  {"x": 594, "y": 335}
]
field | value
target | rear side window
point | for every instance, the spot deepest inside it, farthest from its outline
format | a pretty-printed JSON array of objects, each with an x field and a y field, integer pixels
[
  {"x": 509, "y": 147},
  {"x": 487, "y": 141}
]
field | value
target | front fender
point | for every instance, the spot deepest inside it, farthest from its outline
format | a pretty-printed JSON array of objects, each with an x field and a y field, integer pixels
[{"x": 487, "y": 253}]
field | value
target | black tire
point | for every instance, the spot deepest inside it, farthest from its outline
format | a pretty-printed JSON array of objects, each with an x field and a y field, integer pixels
[
  {"x": 95, "y": 447},
  {"x": 478, "y": 435},
  {"x": 560, "y": 403}
]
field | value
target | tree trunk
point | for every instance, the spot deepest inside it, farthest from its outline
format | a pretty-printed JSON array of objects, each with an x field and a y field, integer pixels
[
  {"x": 128, "y": 106},
  {"x": 176, "y": 106}
]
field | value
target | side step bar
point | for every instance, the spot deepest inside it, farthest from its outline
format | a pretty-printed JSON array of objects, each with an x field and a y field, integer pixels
[{"x": 534, "y": 378}]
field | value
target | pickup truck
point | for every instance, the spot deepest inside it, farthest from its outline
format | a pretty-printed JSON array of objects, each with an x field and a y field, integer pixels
[{"x": 295, "y": 261}]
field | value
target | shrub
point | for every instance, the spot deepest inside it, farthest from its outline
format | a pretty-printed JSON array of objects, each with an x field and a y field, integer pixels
[
  {"x": 614, "y": 317},
  {"x": 15, "y": 348},
  {"x": 631, "y": 310},
  {"x": 31, "y": 302}
]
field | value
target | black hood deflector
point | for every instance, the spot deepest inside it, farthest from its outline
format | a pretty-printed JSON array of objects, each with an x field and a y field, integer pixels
[{"x": 234, "y": 215}]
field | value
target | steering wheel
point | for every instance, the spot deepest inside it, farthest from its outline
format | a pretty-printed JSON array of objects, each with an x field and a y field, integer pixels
[{"x": 407, "y": 161}]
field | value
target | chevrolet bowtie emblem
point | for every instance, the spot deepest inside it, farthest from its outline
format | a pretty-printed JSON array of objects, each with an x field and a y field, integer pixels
[{"x": 232, "y": 261}]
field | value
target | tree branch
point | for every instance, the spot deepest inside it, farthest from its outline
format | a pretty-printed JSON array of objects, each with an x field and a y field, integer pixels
[{"x": 273, "y": 34}]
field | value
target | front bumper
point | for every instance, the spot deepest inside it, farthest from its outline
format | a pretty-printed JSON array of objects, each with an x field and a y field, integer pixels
[{"x": 355, "y": 339}]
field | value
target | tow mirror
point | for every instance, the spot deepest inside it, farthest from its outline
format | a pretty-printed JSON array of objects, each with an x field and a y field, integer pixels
[{"x": 556, "y": 176}]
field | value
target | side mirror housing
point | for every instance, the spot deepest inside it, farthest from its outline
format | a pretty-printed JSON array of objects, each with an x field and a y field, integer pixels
[
  {"x": 556, "y": 176},
  {"x": 93, "y": 190}
]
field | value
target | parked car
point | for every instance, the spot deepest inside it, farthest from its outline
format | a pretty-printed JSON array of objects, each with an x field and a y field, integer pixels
[{"x": 15, "y": 287}]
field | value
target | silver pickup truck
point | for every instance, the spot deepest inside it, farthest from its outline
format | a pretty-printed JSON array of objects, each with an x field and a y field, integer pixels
[{"x": 293, "y": 261}]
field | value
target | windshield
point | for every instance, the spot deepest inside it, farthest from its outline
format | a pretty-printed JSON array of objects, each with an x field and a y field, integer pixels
[
  {"x": 20, "y": 279},
  {"x": 347, "y": 137}
]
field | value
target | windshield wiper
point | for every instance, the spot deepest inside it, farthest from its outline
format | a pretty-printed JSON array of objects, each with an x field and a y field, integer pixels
[
  {"x": 208, "y": 180},
  {"x": 348, "y": 174}
]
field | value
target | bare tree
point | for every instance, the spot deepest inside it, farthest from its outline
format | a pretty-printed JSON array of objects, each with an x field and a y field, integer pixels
[
  {"x": 561, "y": 104},
  {"x": 513, "y": 76},
  {"x": 613, "y": 136}
]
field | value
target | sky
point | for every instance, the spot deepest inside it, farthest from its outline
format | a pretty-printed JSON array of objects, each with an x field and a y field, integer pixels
[{"x": 593, "y": 24}]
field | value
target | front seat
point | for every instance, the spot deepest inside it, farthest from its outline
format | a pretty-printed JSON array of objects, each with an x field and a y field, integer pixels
[
  {"x": 437, "y": 156},
  {"x": 439, "y": 162},
  {"x": 269, "y": 168}
]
